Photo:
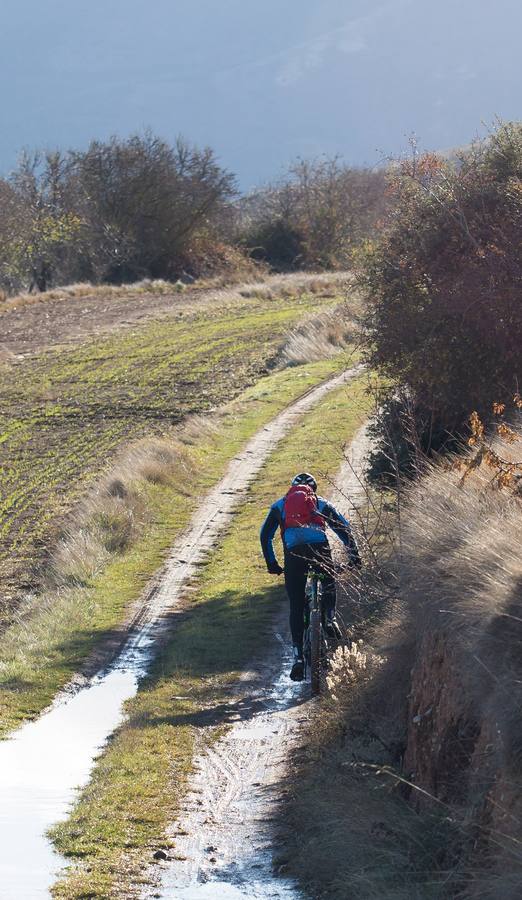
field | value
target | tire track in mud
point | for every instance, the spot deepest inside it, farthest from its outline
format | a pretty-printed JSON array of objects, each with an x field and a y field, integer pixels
[
  {"x": 224, "y": 842},
  {"x": 217, "y": 510},
  {"x": 148, "y": 618},
  {"x": 44, "y": 763}
]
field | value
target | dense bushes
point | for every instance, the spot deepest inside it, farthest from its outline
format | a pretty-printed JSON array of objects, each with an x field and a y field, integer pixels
[
  {"x": 315, "y": 217},
  {"x": 444, "y": 284},
  {"x": 119, "y": 211},
  {"x": 124, "y": 210}
]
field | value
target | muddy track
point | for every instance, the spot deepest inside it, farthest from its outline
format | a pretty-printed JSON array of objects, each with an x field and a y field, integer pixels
[
  {"x": 44, "y": 763},
  {"x": 149, "y": 619},
  {"x": 215, "y": 513},
  {"x": 223, "y": 839}
]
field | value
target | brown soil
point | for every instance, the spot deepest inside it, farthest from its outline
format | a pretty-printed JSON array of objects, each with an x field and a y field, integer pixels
[{"x": 32, "y": 324}]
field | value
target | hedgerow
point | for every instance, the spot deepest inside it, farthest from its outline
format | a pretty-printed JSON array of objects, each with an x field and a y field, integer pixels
[{"x": 444, "y": 286}]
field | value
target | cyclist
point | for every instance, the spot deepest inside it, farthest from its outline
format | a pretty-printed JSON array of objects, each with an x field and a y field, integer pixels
[{"x": 302, "y": 517}]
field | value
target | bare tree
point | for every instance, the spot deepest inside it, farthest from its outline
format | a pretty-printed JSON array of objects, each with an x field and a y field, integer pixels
[
  {"x": 316, "y": 216},
  {"x": 143, "y": 201},
  {"x": 121, "y": 210}
]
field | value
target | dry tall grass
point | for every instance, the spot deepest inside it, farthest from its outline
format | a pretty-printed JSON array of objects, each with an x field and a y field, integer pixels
[
  {"x": 411, "y": 783},
  {"x": 264, "y": 285},
  {"x": 461, "y": 541},
  {"x": 462, "y": 578},
  {"x": 86, "y": 289},
  {"x": 321, "y": 336},
  {"x": 115, "y": 512}
]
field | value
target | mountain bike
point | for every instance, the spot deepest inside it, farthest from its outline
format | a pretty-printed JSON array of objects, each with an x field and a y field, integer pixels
[{"x": 315, "y": 642}]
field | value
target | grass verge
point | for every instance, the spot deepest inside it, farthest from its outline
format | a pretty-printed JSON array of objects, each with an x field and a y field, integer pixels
[
  {"x": 58, "y": 630},
  {"x": 65, "y": 412},
  {"x": 140, "y": 779}
]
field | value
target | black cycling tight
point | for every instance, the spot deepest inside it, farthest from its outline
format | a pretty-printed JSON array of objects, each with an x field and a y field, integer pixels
[{"x": 297, "y": 564}]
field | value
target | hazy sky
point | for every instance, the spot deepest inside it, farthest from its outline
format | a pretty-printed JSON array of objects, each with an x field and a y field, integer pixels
[{"x": 262, "y": 81}]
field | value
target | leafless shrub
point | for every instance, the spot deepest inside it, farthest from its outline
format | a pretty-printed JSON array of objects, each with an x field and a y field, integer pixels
[
  {"x": 315, "y": 217},
  {"x": 116, "y": 212}
]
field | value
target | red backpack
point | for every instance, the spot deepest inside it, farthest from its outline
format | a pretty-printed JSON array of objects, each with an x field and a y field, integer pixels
[{"x": 300, "y": 508}]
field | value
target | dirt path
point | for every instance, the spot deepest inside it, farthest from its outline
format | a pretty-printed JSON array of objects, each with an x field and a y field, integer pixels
[
  {"x": 211, "y": 519},
  {"x": 44, "y": 763},
  {"x": 223, "y": 840},
  {"x": 34, "y": 323}
]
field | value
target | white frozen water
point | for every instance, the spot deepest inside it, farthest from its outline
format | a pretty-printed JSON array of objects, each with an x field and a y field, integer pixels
[{"x": 45, "y": 762}]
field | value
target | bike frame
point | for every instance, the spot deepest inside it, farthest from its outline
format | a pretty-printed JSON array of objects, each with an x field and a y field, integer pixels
[{"x": 314, "y": 640}]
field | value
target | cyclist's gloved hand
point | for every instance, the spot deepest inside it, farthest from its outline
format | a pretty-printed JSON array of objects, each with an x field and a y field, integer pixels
[
  {"x": 354, "y": 562},
  {"x": 274, "y": 568}
]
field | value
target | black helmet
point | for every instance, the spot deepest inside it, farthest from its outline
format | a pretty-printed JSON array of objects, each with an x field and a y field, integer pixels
[{"x": 305, "y": 478}]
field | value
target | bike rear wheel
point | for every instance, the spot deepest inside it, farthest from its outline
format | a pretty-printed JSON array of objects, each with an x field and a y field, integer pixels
[{"x": 315, "y": 651}]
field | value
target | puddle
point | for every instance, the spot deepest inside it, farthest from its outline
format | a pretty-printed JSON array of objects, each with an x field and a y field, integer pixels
[{"x": 43, "y": 765}]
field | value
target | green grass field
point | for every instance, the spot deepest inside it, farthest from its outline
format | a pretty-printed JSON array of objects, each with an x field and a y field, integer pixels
[
  {"x": 39, "y": 654},
  {"x": 65, "y": 412},
  {"x": 141, "y": 777}
]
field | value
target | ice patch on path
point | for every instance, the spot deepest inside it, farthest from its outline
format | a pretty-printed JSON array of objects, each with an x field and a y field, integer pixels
[
  {"x": 44, "y": 763},
  {"x": 41, "y": 768},
  {"x": 220, "y": 891}
]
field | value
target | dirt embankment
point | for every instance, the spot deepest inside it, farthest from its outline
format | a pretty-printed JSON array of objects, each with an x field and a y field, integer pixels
[
  {"x": 462, "y": 580},
  {"x": 411, "y": 786},
  {"x": 463, "y": 749}
]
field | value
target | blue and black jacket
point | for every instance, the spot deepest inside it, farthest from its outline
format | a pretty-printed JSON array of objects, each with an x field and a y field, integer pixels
[{"x": 307, "y": 534}]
